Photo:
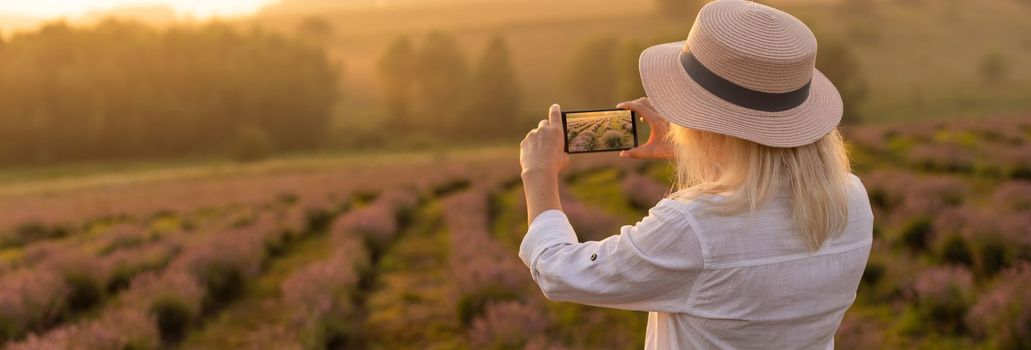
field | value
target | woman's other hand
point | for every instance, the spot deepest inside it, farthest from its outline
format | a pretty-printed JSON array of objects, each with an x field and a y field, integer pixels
[
  {"x": 542, "y": 150},
  {"x": 657, "y": 147}
]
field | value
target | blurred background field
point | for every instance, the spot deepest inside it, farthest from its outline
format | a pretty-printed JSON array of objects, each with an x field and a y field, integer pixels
[{"x": 321, "y": 174}]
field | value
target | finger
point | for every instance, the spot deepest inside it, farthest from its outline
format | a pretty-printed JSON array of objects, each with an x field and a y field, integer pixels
[
  {"x": 641, "y": 106},
  {"x": 649, "y": 112},
  {"x": 543, "y": 123},
  {"x": 555, "y": 114},
  {"x": 631, "y": 153},
  {"x": 644, "y": 152},
  {"x": 631, "y": 105},
  {"x": 640, "y": 101},
  {"x": 645, "y": 101}
]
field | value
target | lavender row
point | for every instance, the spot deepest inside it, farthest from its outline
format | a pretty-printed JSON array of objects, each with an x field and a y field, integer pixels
[
  {"x": 994, "y": 147},
  {"x": 55, "y": 280},
  {"x": 320, "y": 295},
  {"x": 25, "y": 218},
  {"x": 490, "y": 279},
  {"x": 211, "y": 269}
]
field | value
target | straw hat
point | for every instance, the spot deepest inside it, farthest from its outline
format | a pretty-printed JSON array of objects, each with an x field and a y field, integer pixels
[{"x": 746, "y": 70}]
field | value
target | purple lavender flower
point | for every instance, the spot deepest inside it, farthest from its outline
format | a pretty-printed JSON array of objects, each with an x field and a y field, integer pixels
[
  {"x": 120, "y": 329},
  {"x": 478, "y": 260},
  {"x": 507, "y": 325},
  {"x": 642, "y": 191},
  {"x": 31, "y": 299},
  {"x": 1002, "y": 312}
]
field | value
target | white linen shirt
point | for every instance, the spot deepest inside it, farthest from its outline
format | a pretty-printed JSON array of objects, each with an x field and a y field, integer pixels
[{"x": 709, "y": 281}]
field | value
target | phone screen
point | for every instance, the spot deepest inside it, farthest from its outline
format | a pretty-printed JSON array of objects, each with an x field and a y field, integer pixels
[{"x": 599, "y": 130}]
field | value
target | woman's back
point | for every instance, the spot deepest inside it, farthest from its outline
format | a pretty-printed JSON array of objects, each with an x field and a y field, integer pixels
[
  {"x": 759, "y": 286},
  {"x": 743, "y": 281}
]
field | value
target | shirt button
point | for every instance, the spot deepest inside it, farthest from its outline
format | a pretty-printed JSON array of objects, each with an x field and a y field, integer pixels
[{"x": 594, "y": 257}]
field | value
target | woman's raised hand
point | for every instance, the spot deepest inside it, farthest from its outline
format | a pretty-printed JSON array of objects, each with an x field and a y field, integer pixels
[
  {"x": 542, "y": 150},
  {"x": 657, "y": 147}
]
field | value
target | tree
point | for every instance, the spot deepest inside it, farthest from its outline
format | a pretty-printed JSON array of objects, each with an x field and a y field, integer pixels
[
  {"x": 316, "y": 28},
  {"x": 441, "y": 74},
  {"x": 841, "y": 66},
  {"x": 494, "y": 94},
  {"x": 994, "y": 67},
  {"x": 123, "y": 90},
  {"x": 397, "y": 72},
  {"x": 591, "y": 75}
]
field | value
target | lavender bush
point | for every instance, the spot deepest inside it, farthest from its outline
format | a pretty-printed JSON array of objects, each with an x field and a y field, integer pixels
[
  {"x": 508, "y": 325},
  {"x": 584, "y": 141},
  {"x": 175, "y": 300},
  {"x": 484, "y": 271},
  {"x": 85, "y": 274},
  {"x": 319, "y": 295},
  {"x": 987, "y": 240},
  {"x": 123, "y": 329},
  {"x": 1014, "y": 194},
  {"x": 614, "y": 139},
  {"x": 642, "y": 191},
  {"x": 223, "y": 262},
  {"x": 378, "y": 222},
  {"x": 1002, "y": 314},
  {"x": 30, "y": 300},
  {"x": 943, "y": 295}
]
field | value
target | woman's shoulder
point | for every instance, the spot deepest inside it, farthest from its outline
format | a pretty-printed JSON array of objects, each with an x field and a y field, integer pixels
[
  {"x": 682, "y": 210},
  {"x": 670, "y": 209},
  {"x": 690, "y": 206},
  {"x": 859, "y": 199}
]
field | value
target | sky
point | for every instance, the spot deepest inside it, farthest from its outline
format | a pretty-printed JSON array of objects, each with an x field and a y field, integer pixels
[{"x": 75, "y": 8}]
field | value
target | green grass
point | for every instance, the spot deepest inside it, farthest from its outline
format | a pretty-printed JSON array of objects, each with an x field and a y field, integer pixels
[
  {"x": 413, "y": 304},
  {"x": 602, "y": 189},
  {"x": 509, "y": 223},
  {"x": 229, "y": 329},
  {"x": 48, "y": 179}
]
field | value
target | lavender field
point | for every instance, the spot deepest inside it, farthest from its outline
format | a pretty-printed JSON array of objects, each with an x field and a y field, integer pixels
[
  {"x": 599, "y": 131},
  {"x": 420, "y": 252}
]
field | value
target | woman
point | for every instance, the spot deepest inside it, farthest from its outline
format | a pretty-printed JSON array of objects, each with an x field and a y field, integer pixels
[{"x": 764, "y": 241}]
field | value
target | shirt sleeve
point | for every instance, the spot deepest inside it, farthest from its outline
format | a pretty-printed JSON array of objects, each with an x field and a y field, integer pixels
[{"x": 650, "y": 266}]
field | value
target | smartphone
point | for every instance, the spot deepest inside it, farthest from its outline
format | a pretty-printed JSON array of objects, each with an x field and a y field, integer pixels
[{"x": 600, "y": 130}]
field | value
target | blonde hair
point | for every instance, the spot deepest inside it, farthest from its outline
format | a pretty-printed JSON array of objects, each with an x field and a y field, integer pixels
[{"x": 747, "y": 174}]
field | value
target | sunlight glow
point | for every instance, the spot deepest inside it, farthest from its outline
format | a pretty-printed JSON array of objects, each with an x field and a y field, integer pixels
[{"x": 75, "y": 8}]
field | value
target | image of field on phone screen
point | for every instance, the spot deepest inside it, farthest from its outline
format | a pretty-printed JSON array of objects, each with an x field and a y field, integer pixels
[{"x": 599, "y": 130}]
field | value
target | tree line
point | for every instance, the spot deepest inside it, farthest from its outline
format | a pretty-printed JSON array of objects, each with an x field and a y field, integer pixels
[
  {"x": 124, "y": 90},
  {"x": 430, "y": 90},
  {"x": 121, "y": 90}
]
